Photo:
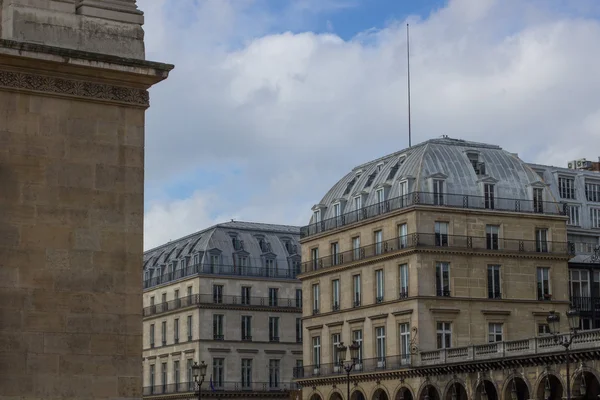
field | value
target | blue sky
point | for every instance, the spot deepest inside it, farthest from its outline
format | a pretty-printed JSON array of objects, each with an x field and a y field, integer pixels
[{"x": 272, "y": 101}]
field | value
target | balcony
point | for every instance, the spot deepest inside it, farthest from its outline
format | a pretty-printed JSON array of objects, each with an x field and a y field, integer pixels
[
  {"x": 428, "y": 198},
  {"x": 231, "y": 387},
  {"x": 220, "y": 269},
  {"x": 432, "y": 240},
  {"x": 220, "y": 301},
  {"x": 585, "y": 303},
  {"x": 484, "y": 352}
]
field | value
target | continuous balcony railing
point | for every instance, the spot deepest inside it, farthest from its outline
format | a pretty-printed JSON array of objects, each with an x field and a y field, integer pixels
[
  {"x": 221, "y": 269},
  {"x": 219, "y": 300},
  {"x": 585, "y": 303},
  {"x": 186, "y": 387},
  {"x": 434, "y": 199},
  {"x": 484, "y": 352},
  {"x": 418, "y": 240}
]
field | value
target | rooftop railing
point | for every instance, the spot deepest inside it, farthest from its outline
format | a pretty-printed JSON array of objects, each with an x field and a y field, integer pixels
[
  {"x": 434, "y": 199},
  {"x": 221, "y": 269},
  {"x": 186, "y": 387},
  {"x": 425, "y": 240},
  {"x": 484, "y": 352},
  {"x": 221, "y": 300}
]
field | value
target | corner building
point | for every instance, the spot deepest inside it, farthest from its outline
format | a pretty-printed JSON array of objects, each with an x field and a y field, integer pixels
[
  {"x": 228, "y": 296},
  {"x": 448, "y": 253}
]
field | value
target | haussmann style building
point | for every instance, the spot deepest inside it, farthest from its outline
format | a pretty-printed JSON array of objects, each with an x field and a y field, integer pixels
[
  {"x": 445, "y": 265},
  {"x": 226, "y": 296}
]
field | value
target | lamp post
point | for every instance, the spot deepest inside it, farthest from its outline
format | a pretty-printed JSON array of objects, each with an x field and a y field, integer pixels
[
  {"x": 199, "y": 371},
  {"x": 564, "y": 340},
  {"x": 341, "y": 350}
]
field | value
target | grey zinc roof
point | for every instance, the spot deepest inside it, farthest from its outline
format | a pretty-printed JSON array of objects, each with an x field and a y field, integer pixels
[
  {"x": 444, "y": 156},
  {"x": 219, "y": 238}
]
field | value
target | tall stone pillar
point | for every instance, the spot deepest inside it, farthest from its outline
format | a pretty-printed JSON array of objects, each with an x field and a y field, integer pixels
[{"x": 73, "y": 93}]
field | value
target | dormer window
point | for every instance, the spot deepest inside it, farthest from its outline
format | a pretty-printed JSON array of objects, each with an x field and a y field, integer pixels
[
  {"x": 370, "y": 179},
  {"x": 350, "y": 186},
  {"x": 538, "y": 200},
  {"x": 438, "y": 192},
  {"x": 478, "y": 166},
  {"x": 488, "y": 196},
  {"x": 196, "y": 259},
  {"x": 317, "y": 216},
  {"x": 357, "y": 202},
  {"x": 395, "y": 168},
  {"x": 337, "y": 210},
  {"x": 237, "y": 243},
  {"x": 379, "y": 167},
  {"x": 566, "y": 187}
]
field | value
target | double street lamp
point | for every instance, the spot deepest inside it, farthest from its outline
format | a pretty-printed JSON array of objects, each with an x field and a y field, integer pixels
[
  {"x": 341, "y": 351},
  {"x": 565, "y": 340},
  {"x": 199, "y": 371}
]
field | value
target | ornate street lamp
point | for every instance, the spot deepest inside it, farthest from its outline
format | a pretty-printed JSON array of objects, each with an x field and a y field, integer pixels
[
  {"x": 199, "y": 372},
  {"x": 341, "y": 351},
  {"x": 547, "y": 389},
  {"x": 484, "y": 395},
  {"x": 574, "y": 320}
]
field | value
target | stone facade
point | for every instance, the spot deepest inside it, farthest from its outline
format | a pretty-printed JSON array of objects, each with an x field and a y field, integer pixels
[{"x": 72, "y": 175}]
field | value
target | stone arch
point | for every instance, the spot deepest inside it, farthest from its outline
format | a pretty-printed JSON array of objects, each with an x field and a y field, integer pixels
[
  {"x": 357, "y": 394},
  {"x": 549, "y": 382},
  {"x": 457, "y": 387},
  {"x": 428, "y": 388},
  {"x": 404, "y": 392},
  {"x": 315, "y": 395},
  {"x": 491, "y": 390},
  {"x": 587, "y": 378},
  {"x": 519, "y": 384},
  {"x": 380, "y": 393},
  {"x": 336, "y": 395}
]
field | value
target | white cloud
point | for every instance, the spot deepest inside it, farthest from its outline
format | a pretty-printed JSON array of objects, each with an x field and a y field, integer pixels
[{"x": 299, "y": 110}]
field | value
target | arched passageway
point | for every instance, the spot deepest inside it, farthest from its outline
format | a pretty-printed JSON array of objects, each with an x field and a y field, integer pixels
[
  {"x": 585, "y": 386},
  {"x": 516, "y": 389},
  {"x": 550, "y": 388},
  {"x": 486, "y": 391},
  {"x": 404, "y": 394},
  {"x": 357, "y": 395},
  {"x": 335, "y": 396},
  {"x": 456, "y": 391},
  {"x": 429, "y": 392},
  {"x": 380, "y": 394},
  {"x": 315, "y": 397}
]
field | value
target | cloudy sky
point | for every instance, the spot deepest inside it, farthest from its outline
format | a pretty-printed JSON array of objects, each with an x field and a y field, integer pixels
[{"x": 272, "y": 101}]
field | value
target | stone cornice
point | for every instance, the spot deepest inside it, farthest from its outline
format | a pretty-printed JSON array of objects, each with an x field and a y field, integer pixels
[
  {"x": 495, "y": 312},
  {"x": 333, "y": 324},
  {"x": 314, "y": 327},
  {"x": 249, "y": 351},
  {"x": 379, "y": 316},
  {"x": 267, "y": 351},
  {"x": 444, "y": 310},
  {"x": 356, "y": 320},
  {"x": 403, "y": 312},
  {"x": 218, "y": 350}
]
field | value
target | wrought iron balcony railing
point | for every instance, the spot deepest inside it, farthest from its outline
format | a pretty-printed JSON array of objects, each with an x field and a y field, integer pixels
[
  {"x": 585, "y": 303},
  {"x": 423, "y": 240},
  {"x": 440, "y": 200},
  {"x": 221, "y": 300},
  {"x": 186, "y": 387},
  {"x": 221, "y": 269},
  {"x": 498, "y": 350}
]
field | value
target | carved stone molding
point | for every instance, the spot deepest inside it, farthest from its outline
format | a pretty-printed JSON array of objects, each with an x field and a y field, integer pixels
[{"x": 75, "y": 88}]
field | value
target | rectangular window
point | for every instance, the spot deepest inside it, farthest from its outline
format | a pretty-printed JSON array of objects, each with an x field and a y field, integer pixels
[
  {"x": 335, "y": 253},
  {"x": 404, "y": 342},
  {"x": 538, "y": 200},
  {"x": 335, "y": 294},
  {"x": 176, "y": 373},
  {"x": 444, "y": 335},
  {"x": 189, "y": 291},
  {"x": 357, "y": 337},
  {"x": 245, "y": 300},
  {"x": 543, "y": 284},
  {"x": 177, "y": 301},
  {"x": 218, "y": 333},
  {"x": 494, "y": 332},
  {"x": 403, "y": 284},
  {"x": 315, "y": 300},
  {"x": 271, "y": 267},
  {"x": 152, "y": 300},
  {"x": 543, "y": 329},
  {"x": 196, "y": 259},
  {"x": 273, "y": 374},
  {"x": 442, "y": 279},
  {"x": 176, "y": 330},
  {"x": 246, "y": 327},
  {"x": 243, "y": 263},
  {"x": 566, "y": 188},
  {"x": 492, "y": 233},
  {"x": 573, "y": 213},
  {"x": 379, "y": 289},
  {"x": 380, "y": 200},
  {"x": 164, "y": 298},
  {"x": 356, "y": 289},
  {"x": 438, "y": 192},
  {"x": 317, "y": 216},
  {"x": 218, "y": 294},
  {"x": 299, "y": 298},
  {"x": 493, "y": 278},
  {"x": 378, "y": 241},
  {"x": 273, "y": 297},
  {"x": 541, "y": 240},
  {"x": 356, "y": 248},
  {"x": 441, "y": 234},
  {"x": 357, "y": 203},
  {"x": 246, "y": 373},
  {"x": 314, "y": 256},
  {"x": 337, "y": 209},
  {"x": 151, "y": 335},
  {"x": 190, "y": 373},
  {"x": 152, "y": 372},
  {"x": 214, "y": 262},
  {"x": 316, "y": 347},
  {"x": 403, "y": 187},
  {"x": 218, "y": 374},
  {"x": 402, "y": 236},
  {"x": 592, "y": 192},
  {"x": 335, "y": 342},
  {"x": 164, "y": 333},
  {"x": 189, "y": 327},
  {"x": 595, "y": 217},
  {"x": 580, "y": 284},
  {"x": 488, "y": 196},
  {"x": 163, "y": 373},
  {"x": 380, "y": 343},
  {"x": 273, "y": 329},
  {"x": 298, "y": 330}
]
